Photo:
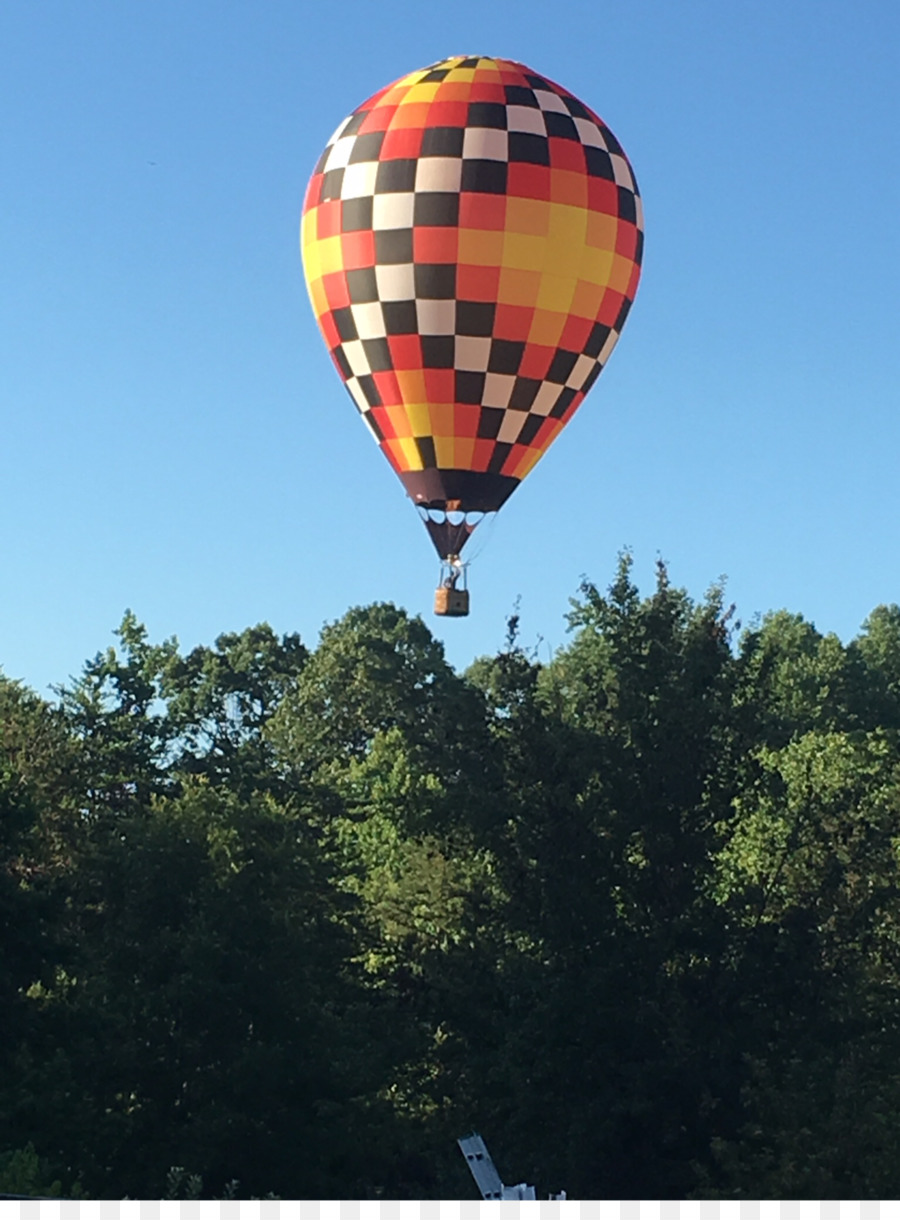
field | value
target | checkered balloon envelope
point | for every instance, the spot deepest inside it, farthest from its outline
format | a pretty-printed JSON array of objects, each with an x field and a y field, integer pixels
[{"x": 472, "y": 239}]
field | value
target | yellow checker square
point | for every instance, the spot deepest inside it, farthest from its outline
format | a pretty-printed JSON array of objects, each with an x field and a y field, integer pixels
[
  {"x": 566, "y": 239},
  {"x": 596, "y": 266},
  {"x": 308, "y": 226},
  {"x": 318, "y": 297},
  {"x": 518, "y": 287},
  {"x": 458, "y": 75},
  {"x": 556, "y": 293},
  {"x": 444, "y": 452},
  {"x": 529, "y": 216},
  {"x": 312, "y": 263},
  {"x": 423, "y": 92},
  {"x": 331, "y": 256},
  {"x": 419, "y": 418},
  {"x": 586, "y": 300},
  {"x": 480, "y": 247},
  {"x": 412, "y": 459},
  {"x": 524, "y": 253},
  {"x": 547, "y": 327},
  {"x": 399, "y": 421},
  {"x": 602, "y": 230},
  {"x": 411, "y": 383}
]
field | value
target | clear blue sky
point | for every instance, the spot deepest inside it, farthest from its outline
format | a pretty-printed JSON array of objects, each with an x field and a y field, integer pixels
[{"x": 175, "y": 439}]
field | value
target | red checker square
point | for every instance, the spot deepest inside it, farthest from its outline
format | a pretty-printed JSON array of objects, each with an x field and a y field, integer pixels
[
  {"x": 440, "y": 385},
  {"x": 569, "y": 186},
  {"x": 313, "y": 192},
  {"x": 447, "y": 113},
  {"x": 477, "y": 283},
  {"x": 609, "y": 307},
  {"x": 513, "y": 458},
  {"x": 383, "y": 419},
  {"x": 626, "y": 239},
  {"x": 336, "y": 292},
  {"x": 328, "y": 218},
  {"x": 603, "y": 196},
  {"x": 401, "y": 142},
  {"x": 386, "y": 381},
  {"x": 536, "y": 361},
  {"x": 567, "y": 154},
  {"x": 329, "y": 329},
  {"x": 374, "y": 99},
  {"x": 482, "y": 454},
  {"x": 358, "y": 249},
  {"x": 465, "y": 420},
  {"x": 377, "y": 120},
  {"x": 478, "y": 210},
  {"x": 528, "y": 181},
  {"x": 487, "y": 91},
  {"x": 633, "y": 281},
  {"x": 575, "y": 333},
  {"x": 513, "y": 322},
  {"x": 406, "y": 351},
  {"x": 546, "y": 434},
  {"x": 435, "y": 245},
  {"x": 388, "y": 448}
]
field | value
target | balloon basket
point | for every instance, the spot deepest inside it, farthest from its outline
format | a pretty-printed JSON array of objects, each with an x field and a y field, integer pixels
[{"x": 451, "y": 597}]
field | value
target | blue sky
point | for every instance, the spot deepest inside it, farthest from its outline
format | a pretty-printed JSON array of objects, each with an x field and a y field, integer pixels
[{"x": 175, "y": 438}]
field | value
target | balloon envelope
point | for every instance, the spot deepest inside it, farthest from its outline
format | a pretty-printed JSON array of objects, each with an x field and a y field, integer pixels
[{"x": 472, "y": 239}]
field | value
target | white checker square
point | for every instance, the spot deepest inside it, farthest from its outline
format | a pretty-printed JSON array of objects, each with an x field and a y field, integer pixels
[
  {"x": 589, "y": 133},
  {"x": 472, "y": 353},
  {"x": 606, "y": 350},
  {"x": 340, "y": 153},
  {"x": 438, "y": 174},
  {"x": 498, "y": 388},
  {"x": 359, "y": 180},
  {"x": 357, "y": 395},
  {"x": 393, "y": 210},
  {"x": 369, "y": 320},
  {"x": 580, "y": 372},
  {"x": 621, "y": 171},
  {"x": 485, "y": 144},
  {"x": 639, "y": 211},
  {"x": 550, "y": 101},
  {"x": 436, "y": 317},
  {"x": 526, "y": 118},
  {"x": 511, "y": 426},
  {"x": 339, "y": 129},
  {"x": 356, "y": 358},
  {"x": 395, "y": 281},
  {"x": 545, "y": 399}
]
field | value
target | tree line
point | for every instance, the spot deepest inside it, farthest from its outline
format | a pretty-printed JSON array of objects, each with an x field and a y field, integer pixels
[{"x": 288, "y": 920}]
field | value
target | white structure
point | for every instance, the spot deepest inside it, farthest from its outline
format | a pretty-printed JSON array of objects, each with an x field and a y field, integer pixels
[{"x": 484, "y": 1171}]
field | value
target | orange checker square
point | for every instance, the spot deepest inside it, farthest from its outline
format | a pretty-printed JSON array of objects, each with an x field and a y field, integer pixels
[
  {"x": 528, "y": 216},
  {"x": 519, "y": 287},
  {"x": 513, "y": 322},
  {"x": 481, "y": 247},
  {"x": 377, "y": 98},
  {"x": 336, "y": 291},
  {"x": 529, "y": 460},
  {"x": 386, "y": 384},
  {"x": 436, "y": 244},
  {"x": 479, "y": 210},
  {"x": 536, "y": 360},
  {"x": 569, "y": 186},
  {"x": 358, "y": 249},
  {"x": 602, "y": 230},
  {"x": 453, "y": 89},
  {"x": 398, "y": 419},
  {"x": 603, "y": 196},
  {"x": 482, "y": 452},
  {"x": 477, "y": 283},
  {"x": 410, "y": 114},
  {"x": 626, "y": 239},
  {"x": 514, "y": 459},
  {"x": 387, "y": 448},
  {"x": 406, "y": 357},
  {"x": 441, "y": 416},
  {"x": 328, "y": 218},
  {"x": 445, "y": 112},
  {"x": 439, "y": 385},
  {"x": 394, "y": 94},
  {"x": 378, "y": 119},
  {"x": 463, "y": 447},
  {"x": 609, "y": 309},
  {"x": 411, "y": 383},
  {"x": 576, "y": 331},
  {"x": 527, "y": 180},
  {"x": 400, "y": 143},
  {"x": 547, "y": 327}
]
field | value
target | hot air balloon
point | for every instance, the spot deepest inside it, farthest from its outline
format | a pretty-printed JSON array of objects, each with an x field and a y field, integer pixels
[{"x": 472, "y": 239}]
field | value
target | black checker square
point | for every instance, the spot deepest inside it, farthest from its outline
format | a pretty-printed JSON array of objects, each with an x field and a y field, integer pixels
[
  {"x": 537, "y": 82},
  {"x": 469, "y": 387},
  {"x": 577, "y": 109},
  {"x": 342, "y": 362},
  {"x": 343, "y": 320},
  {"x": 483, "y": 177},
  {"x": 370, "y": 390},
  {"x": 367, "y": 147},
  {"x": 498, "y": 457},
  {"x": 435, "y": 281},
  {"x": 599, "y": 163},
  {"x": 435, "y": 75},
  {"x": 356, "y": 214},
  {"x": 591, "y": 377},
  {"x": 506, "y": 356},
  {"x": 437, "y": 351},
  {"x": 471, "y": 61},
  {"x": 442, "y": 142},
  {"x": 562, "y": 403},
  {"x": 530, "y": 429},
  {"x": 561, "y": 366},
  {"x": 332, "y": 182},
  {"x": 432, "y": 208},
  {"x": 353, "y": 126},
  {"x": 393, "y": 246},
  {"x": 475, "y": 318},
  {"x": 487, "y": 114},
  {"x": 489, "y": 423},
  {"x": 518, "y": 95},
  {"x": 362, "y": 286},
  {"x": 627, "y": 206},
  {"x": 598, "y": 336},
  {"x": 528, "y": 146},
  {"x": 425, "y": 445},
  {"x": 524, "y": 393},
  {"x": 639, "y": 248},
  {"x": 561, "y": 125},
  {"x": 624, "y": 309},
  {"x": 610, "y": 140},
  {"x": 374, "y": 426},
  {"x": 400, "y": 317},
  {"x": 378, "y": 355},
  {"x": 393, "y": 176},
  {"x": 320, "y": 164}
]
